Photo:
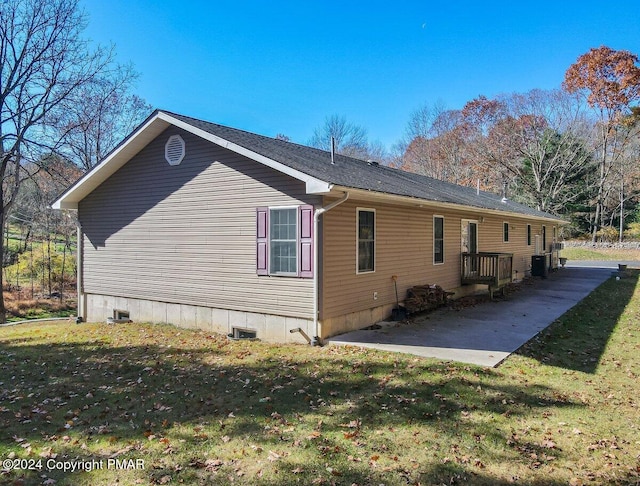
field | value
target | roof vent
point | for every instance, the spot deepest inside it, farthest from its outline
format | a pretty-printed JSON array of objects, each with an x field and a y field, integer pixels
[
  {"x": 373, "y": 163},
  {"x": 174, "y": 150}
]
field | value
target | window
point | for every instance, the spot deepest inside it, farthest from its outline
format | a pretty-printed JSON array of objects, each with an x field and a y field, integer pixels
[
  {"x": 438, "y": 239},
  {"x": 544, "y": 238},
  {"x": 528, "y": 235},
  {"x": 505, "y": 232},
  {"x": 366, "y": 240},
  {"x": 284, "y": 241}
]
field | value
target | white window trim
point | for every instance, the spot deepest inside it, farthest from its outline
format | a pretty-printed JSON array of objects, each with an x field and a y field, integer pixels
[
  {"x": 433, "y": 241},
  {"x": 508, "y": 240},
  {"x": 284, "y": 274},
  {"x": 529, "y": 235},
  {"x": 375, "y": 239}
]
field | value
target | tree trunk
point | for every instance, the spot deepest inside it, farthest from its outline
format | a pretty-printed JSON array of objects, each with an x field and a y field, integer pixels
[
  {"x": 3, "y": 311},
  {"x": 26, "y": 238},
  {"x": 621, "y": 208},
  {"x": 49, "y": 261},
  {"x": 64, "y": 261},
  {"x": 597, "y": 223},
  {"x": 31, "y": 271}
]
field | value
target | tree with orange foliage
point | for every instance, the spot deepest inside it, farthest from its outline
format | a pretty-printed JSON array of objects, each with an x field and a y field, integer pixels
[{"x": 610, "y": 80}]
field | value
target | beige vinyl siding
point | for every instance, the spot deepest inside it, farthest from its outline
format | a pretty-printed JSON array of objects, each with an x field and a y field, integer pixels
[
  {"x": 404, "y": 247},
  {"x": 187, "y": 233}
]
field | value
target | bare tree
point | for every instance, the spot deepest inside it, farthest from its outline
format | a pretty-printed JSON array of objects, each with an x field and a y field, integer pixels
[
  {"x": 547, "y": 130},
  {"x": 350, "y": 139},
  {"x": 103, "y": 114},
  {"x": 44, "y": 63},
  {"x": 420, "y": 154}
]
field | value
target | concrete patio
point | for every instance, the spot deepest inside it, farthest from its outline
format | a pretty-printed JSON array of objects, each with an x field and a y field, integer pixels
[{"x": 487, "y": 333}]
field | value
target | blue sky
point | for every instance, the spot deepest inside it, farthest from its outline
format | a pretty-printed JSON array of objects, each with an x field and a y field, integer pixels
[{"x": 282, "y": 67}]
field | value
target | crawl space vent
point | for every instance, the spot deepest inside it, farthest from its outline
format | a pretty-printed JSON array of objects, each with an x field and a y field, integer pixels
[{"x": 174, "y": 150}]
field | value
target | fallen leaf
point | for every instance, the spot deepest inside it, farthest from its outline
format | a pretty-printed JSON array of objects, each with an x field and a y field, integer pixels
[
  {"x": 273, "y": 456},
  {"x": 548, "y": 443}
]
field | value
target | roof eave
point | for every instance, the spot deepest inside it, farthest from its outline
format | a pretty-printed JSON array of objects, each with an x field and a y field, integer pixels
[
  {"x": 419, "y": 202},
  {"x": 140, "y": 138},
  {"x": 134, "y": 143}
]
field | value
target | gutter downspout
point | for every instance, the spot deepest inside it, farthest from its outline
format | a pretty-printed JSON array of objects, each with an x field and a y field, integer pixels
[
  {"x": 79, "y": 274},
  {"x": 316, "y": 217}
]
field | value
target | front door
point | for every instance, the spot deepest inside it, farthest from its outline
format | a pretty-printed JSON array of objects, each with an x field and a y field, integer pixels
[
  {"x": 469, "y": 241},
  {"x": 469, "y": 236}
]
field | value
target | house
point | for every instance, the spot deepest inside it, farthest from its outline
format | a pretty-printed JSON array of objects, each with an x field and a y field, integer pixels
[{"x": 205, "y": 226}]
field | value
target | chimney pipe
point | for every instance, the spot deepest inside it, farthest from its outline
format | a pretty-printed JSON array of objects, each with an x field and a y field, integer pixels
[{"x": 333, "y": 150}]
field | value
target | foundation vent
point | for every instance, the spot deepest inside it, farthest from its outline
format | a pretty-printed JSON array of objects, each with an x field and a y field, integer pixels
[{"x": 240, "y": 333}]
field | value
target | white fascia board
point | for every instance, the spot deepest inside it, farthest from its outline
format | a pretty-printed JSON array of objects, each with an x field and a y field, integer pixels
[
  {"x": 114, "y": 161},
  {"x": 313, "y": 185}
]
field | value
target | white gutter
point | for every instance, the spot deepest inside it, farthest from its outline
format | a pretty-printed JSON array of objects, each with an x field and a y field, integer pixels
[
  {"x": 316, "y": 217},
  {"x": 82, "y": 307}
]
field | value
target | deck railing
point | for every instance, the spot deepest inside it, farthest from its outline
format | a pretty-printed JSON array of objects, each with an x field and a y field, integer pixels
[{"x": 492, "y": 269}]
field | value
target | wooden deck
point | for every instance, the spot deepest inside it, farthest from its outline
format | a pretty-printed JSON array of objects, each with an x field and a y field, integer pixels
[{"x": 492, "y": 269}]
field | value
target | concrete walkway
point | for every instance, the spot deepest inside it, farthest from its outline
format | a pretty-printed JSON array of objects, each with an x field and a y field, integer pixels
[{"x": 489, "y": 332}]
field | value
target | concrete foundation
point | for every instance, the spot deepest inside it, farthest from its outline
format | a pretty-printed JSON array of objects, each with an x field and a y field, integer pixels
[
  {"x": 356, "y": 320},
  {"x": 267, "y": 327}
]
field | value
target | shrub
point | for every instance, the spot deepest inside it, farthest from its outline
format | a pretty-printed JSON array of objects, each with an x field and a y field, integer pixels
[
  {"x": 633, "y": 232},
  {"x": 608, "y": 234}
]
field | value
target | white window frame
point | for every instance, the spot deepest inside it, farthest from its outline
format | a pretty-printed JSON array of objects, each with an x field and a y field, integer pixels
[
  {"x": 444, "y": 259},
  {"x": 529, "y": 235},
  {"x": 270, "y": 239},
  {"x": 375, "y": 234},
  {"x": 508, "y": 234}
]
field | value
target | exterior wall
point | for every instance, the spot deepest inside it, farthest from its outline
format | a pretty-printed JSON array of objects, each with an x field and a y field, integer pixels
[
  {"x": 404, "y": 247},
  {"x": 186, "y": 235},
  {"x": 490, "y": 238}
]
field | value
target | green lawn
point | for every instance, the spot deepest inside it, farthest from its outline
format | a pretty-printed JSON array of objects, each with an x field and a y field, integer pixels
[
  {"x": 606, "y": 254},
  {"x": 196, "y": 408}
]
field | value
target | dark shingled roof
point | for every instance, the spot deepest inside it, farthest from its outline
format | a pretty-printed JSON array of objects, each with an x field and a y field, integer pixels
[{"x": 359, "y": 174}]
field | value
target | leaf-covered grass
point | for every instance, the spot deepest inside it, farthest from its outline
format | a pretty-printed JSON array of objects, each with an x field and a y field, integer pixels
[
  {"x": 20, "y": 306},
  {"x": 605, "y": 254},
  {"x": 197, "y": 408}
]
